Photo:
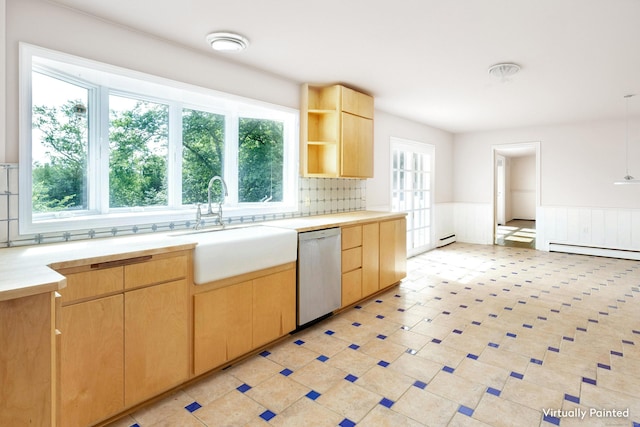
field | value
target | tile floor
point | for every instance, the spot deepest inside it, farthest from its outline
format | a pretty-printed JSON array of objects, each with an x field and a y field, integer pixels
[{"x": 475, "y": 336}]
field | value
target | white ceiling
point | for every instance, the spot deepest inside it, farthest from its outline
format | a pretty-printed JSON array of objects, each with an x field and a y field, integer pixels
[{"x": 425, "y": 60}]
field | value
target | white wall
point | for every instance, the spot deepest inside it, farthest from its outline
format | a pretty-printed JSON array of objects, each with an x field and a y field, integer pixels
[
  {"x": 379, "y": 187},
  {"x": 578, "y": 165},
  {"x": 522, "y": 187},
  {"x": 44, "y": 24},
  {"x": 47, "y": 25}
]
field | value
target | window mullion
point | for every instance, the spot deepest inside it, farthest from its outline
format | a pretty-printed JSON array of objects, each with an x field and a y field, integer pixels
[
  {"x": 174, "y": 161},
  {"x": 99, "y": 151},
  {"x": 230, "y": 168}
]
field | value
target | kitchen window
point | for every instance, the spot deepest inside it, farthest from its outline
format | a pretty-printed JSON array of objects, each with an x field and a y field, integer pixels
[{"x": 103, "y": 146}]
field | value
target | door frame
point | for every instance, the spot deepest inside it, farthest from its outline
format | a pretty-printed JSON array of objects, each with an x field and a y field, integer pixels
[
  {"x": 411, "y": 144},
  {"x": 502, "y": 149}
]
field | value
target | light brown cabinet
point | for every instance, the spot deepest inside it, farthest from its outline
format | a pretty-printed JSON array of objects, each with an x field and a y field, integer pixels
[
  {"x": 242, "y": 314},
  {"x": 28, "y": 390},
  {"x": 336, "y": 128},
  {"x": 156, "y": 340},
  {"x": 373, "y": 258},
  {"x": 222, "y": 325},
  {"x": 124, "y": 334},
  {"x": 92, "y": 358},
  {"x": 393, "y": 251}
]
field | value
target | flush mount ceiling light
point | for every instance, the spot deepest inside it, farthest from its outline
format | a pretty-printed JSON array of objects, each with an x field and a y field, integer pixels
[
  {"x": 627, "y": 179},
  {"x": 504, "y": 70},
  {"x": 227, "y": 42}
]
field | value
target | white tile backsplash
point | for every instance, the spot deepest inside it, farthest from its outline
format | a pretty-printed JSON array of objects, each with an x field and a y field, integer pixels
[{"x": 316, "y": 196}]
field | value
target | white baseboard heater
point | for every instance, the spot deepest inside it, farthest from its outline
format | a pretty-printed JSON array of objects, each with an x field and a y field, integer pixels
[
  {"x": 446, "y": 240},
  {"x": 593, "y": 250}
]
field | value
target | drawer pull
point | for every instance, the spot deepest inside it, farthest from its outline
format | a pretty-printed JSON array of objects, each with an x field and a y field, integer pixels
[{"x": 121, "y": 262}]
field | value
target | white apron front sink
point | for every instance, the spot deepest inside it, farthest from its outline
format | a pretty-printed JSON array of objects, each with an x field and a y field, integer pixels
[{"x": 234, "y": 251}]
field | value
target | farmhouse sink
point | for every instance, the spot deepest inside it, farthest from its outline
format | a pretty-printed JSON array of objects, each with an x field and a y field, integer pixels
[{"x": 233, "y": 251}]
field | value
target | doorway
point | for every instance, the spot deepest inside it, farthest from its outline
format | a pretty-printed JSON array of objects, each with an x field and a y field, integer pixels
[
  {"x": 516, "y": 194},
  {"x": 412, "y": 178}
]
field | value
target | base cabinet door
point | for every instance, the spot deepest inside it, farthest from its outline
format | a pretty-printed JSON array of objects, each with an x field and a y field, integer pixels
[
  {"x": 274, "y": 306},
  {"x": 370, "y": 259},
  {"x": 27, "y": 375},
  {"x": 92, "y": 361},
  {"x": 156, "y": 340},
  {"x": 222, "y": 327},
  {"x": 393, "y": 251}
]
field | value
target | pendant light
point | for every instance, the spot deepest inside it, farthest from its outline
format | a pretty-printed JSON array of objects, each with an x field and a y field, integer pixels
[{"x": 627, "y": 179}]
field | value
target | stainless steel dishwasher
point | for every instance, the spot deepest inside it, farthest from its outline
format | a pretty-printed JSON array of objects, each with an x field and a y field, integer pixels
[{"x": 319, "y": 274}]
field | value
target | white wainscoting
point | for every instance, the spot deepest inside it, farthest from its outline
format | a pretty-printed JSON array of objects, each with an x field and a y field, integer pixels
[
  {"x": 444, "y": 223},
  {"x": 592, "y": 227},
  {"x": 473, "y": 223}
]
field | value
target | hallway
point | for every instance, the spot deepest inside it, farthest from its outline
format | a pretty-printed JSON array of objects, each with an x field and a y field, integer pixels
[{"x": 518, "y": 233}]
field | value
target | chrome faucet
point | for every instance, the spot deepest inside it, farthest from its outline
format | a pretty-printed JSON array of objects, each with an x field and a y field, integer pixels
[{"x": 210, "y": 212}]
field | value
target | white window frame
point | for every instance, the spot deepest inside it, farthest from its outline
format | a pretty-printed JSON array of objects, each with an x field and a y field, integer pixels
[{"x": 177, "y": 95}]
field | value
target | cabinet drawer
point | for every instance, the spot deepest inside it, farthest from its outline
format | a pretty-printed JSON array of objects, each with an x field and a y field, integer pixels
[
  {"x": 351, "y": 237},
  {"x": 351, "y": 287},
  {"x": 90, "y": 284},
  {"x": 357, "y": 103},
  {"x": 158, "y": 270},
  {"x": 351, "y": 259}
]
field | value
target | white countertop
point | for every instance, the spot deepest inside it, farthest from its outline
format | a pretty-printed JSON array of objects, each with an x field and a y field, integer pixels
[{"x": 29, "y": 270}]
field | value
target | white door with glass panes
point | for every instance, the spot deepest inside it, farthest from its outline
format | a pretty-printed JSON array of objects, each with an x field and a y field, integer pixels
[{"x": 411, "y": 191}]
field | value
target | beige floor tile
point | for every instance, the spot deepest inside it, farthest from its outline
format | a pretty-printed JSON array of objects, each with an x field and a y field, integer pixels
[
  {"x": 212, "y": 387},
  {"x": 431, "y": 329},
  {"x": 504, "y": 359},
  {"x": 352, "y": 361},
  {"x": 622, "y": 382},
  {"x": 182, "y": 419},
  {"x": 349, "y": 400},
  {"x": 457, "y": 389},
  {"x": 442, "y": 354},
  {"x": 425, "y": 407},
  {"x": 291, "y": 356},
  {"x": 383, "y": 417},
  {"x": 381, "y": 349},
  {"x": 277, "y": 392},
  {"x": 532, "y": 395},
  {"x": 574, "y": 365},
  {"x": 385, "y": 382},
  {"x": 416, "y": 367},
  {"x": 461, "y": 420},
  {"x": 489, "y": 375},
  {"x": 231, "y": 410},
  {"x": 254, "y": 370},
  {"x": 318, "y": 376},
  {"x": 307, "y": 413},
  {"x": 554, "y": 379},
  {"x": 499, "y": 412},
  {"x": 409, "y": 339},
  {"x": 324, "y": 344}
]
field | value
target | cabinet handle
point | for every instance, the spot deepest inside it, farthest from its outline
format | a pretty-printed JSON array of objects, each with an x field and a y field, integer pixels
[{"x": 121, "y": 262}]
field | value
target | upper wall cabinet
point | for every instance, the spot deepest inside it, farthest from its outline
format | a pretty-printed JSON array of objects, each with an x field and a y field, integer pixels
[{"x": 336, "y": 138}]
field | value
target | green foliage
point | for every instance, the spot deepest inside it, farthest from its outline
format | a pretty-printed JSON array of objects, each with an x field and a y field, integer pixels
[
  {"x": 260, "y": 166},
  {"x": 138, "y": 153},
  {"x": 202, "y": 153},
  {"x": 138, "y": 141},
  {"x": 60, "y": 183}
]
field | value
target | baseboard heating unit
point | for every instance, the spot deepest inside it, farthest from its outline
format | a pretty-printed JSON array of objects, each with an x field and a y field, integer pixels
[
  {"x": 595, "y": 251},
  {"x": 446, "y": 240}
]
